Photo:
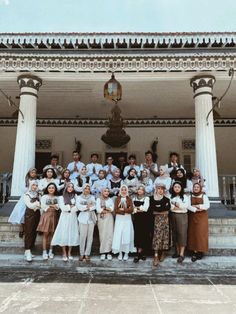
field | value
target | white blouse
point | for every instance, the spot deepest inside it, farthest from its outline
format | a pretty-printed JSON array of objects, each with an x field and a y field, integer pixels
[
  {"x": 204, "y": 206},
  {"x": 108, "y": 204},
  {"x": 183, "y": 204}
]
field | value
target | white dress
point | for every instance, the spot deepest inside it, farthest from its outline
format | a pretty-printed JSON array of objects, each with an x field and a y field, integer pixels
[{"x": 67, "y": 231}]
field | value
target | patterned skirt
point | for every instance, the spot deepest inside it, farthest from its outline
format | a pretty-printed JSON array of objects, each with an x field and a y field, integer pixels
[{"x": 161, "y": 232}]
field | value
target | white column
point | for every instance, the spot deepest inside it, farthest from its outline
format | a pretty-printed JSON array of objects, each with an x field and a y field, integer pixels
[
  {"x": 205, "y": 136},
  {"x": 24, "y": 157}
]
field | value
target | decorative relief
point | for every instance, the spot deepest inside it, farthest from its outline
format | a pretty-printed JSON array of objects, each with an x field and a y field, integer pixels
[
  {"x": 202, "y": 81},
  {"x": 43, "y": 144},
  {"x": 27, "y": 80},
  {"x": 188, "y": 144}
]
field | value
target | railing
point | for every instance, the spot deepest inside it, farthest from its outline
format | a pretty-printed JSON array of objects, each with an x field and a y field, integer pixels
[
  {"x": 227, "y": 186},
  {"x": 5, "y": 186}
]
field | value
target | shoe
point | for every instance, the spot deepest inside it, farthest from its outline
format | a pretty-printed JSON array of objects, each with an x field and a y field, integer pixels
[
  {"x": 136, "y": 259},
  {"x": 180, "y": 259},
  {"x": 64, "y": 258},
  {"x": 143, "y": 258},
  {"x": 51, "y": 255},
  {"x": 161, "y": 257},
  {"x": 199, "y": 255},
  {"x": 102, "y": 257},
  {"x": 28, "y": 256},
  {"x": 81, "y": 258},
  {"x": 45, "y": 256},
  {"x": 87, "y": 258},
  {"x": 155, "y": 261},
  {"x": 120, "y": 256},
  {"x": 126, "y": 257},
  {"x": 175, "y": 255},
  {"x": 109, "y": 257},
  {"x": 194, "y": 258},
  {"x": 70, "y": 258}
]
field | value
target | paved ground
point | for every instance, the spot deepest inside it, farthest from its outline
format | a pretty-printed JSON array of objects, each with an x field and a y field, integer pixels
[{"x": 207, "y": 286}]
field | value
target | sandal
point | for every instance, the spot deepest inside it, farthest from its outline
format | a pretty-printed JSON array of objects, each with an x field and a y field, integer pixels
[
  {"x": 87, "y": 258},
  {"x": 180, "y": 259},
  {"x": 155, "y": 262},
  {"x": 194, "y": 258},
  {"x": 136, "y": 259}
]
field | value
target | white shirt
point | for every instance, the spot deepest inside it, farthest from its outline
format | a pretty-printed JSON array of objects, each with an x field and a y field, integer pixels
[
  {"x": 71, "y": 166},
  {"x": 109, "y": 170},
  {"x": 85, "y": 215},
  {"x": 90, "y": 167},
  {"x": 108, "y": 204},
  {"x": 183, "y": 204}
]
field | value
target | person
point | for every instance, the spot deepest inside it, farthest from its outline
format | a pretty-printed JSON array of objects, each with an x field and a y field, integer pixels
[
  {"x": 67, "y": 230},
  {"x": 81, "y": 180},
  {"x": 198, "y": 178},
  {"x": 164, "y": 178},
  {"x": 99, "y": 184},
  {"x": 48, "y": 221},
  {"x": 65, "y": 178},
  {"x": 104, "y": 208},
  {"x": 131, "y": 181},
  {"x": 160, "y": 207},
  {"x": 115, "y": 183},
  {"x": 179, "y": 220},
  {"x": 140, "y": 219},
  {"x": 174, "y": 164},
  {"x": 32, "y": 216},
  {"x": 18, "y": 213},
  {"x": 132, "y": 165},
  {"x": 121, "y": 164},
  {"x": 150, "y": 165},
  {"x": 186, "y": 183},
  {"x": 49, "y": 176},
  {"x": 75, "y": 165},
  {"x": 54, "y": 164},
  {"x": 93, "y": 168},
  {"x": 146, "y": 181},
  {"x": 198, "y": 223},
  {"x": 109, "y": 168},
  {"x": 123, "y": 237},
  {"x": 85, "y": 203}
]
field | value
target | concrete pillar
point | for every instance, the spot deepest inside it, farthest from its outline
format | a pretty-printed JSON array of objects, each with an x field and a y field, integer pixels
[
  {"x": 24, "y": 157},
  {"x": 205, "y": 136}
]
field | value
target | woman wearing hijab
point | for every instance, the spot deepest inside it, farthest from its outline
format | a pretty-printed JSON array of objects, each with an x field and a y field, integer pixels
[
  {"x": 164, "y": 178},
  {"x": 82, "y": 179},
  {"x": 123, "y": 238},
  {"x": 198, "y": 178},
  {"x": 198, "y": 223},
  {"x": 64, "y": 179},
  {"x": 131, "y": 181},
  {"x": 160, "y": 207},
  {"x": 85, "y": 203},
  {"x": 141, "y": 227},
  {"x": 181, "y": 177},
  {"x": 67, "y": 231},
  {"x": 104, "y": 208},
  {"x": 32, "y": 217},
  {"x": 146, "y": 181}
]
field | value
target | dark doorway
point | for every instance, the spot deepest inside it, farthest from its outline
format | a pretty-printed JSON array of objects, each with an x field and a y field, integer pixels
[
  {"x": 41, "y": 160},
  {"x": 115, "y": 157}
]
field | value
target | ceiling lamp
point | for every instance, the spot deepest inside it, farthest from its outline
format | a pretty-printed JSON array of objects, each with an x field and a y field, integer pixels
[{"x": 113, "y": 89}]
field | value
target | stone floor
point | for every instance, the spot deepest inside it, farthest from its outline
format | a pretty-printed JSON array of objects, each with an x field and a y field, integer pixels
[{"x": 207, "y": 286}]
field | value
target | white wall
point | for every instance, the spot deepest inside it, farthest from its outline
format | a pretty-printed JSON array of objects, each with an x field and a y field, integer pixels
[{"x": 170, "y": 139}]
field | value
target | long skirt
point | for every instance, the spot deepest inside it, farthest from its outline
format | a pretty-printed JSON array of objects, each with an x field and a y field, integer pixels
[
  {"x": 31, "y": 222},
  {"x": 123, "y": 238},
  {"x": 141, "y": 230},
  {"x": 179, "y": 224},
  {"x": 105, "y": 228},
  {"x": 18, "y": 214},
  {"x": 48, "y": 221},
  {"x": 198, "y": 231},
  {"x": 161, "y": 232},
  {"x": 67, "y": 230}
]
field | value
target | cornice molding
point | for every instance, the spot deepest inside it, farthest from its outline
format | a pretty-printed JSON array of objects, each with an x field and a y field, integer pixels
[{"x": 84, "y": 123}]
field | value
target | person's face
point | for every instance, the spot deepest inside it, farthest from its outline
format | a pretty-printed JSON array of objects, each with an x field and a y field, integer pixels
[
  {"x": 141, "y": 191},
  {"x": 121, "y": 160},
  {"x": 51, "y": 190},
  {"x": 94, "y": 159},
  {"x": 49, "y": 173},
  {"x": 123, "y": 191},
  {"x": 196, "y": 188},
  {"x": 54, "y": 161},
  {"x": 196, "y": 173},
  {"x": 174, "y": 158},
  {"x": 116, "y": 173},
  {"x": 109, "y": 161},
  {"x": 179, "y": 174},
  {"x": 132, "y": 161},
  {"x": 148, "y": 157},
  {"x": 33, "y": 174},
  {"x": 70, "y": 188},
  {"x": 83, "y": 171},
  {"x": 34, "y": 187},
  {"x": 66, "y": 174},
  {"x": 177, "y": 188},
  {"x": 105, "y": 193},
  {"x": 161, "y": 171},
  {"x": 101, "y": 175},
  {"x": 160, "y": 190},
  {"x": 144, "y": 174},
  {"x": 132, "y": 173},
  {"x": 87, "y": 190},
  {"x": 76, "y": 156}
]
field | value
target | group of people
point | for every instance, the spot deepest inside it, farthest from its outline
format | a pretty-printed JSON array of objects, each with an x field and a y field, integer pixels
[{"x": 137, "y": 209}]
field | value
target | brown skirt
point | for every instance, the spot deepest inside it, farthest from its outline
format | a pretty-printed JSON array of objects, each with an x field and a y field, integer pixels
[
  {"x": 161, "y": 232},
  {"x": 198, "y": 231},
  {"x": 48, "y": 221},
  {"x": 179, "y": 224}
]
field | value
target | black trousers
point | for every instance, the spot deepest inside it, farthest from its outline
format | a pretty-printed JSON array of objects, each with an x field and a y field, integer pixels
[{"x": 31, "y": 223}]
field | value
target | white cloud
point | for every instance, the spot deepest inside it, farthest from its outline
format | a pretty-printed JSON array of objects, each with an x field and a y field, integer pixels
[{"x": 5, "y": 2}]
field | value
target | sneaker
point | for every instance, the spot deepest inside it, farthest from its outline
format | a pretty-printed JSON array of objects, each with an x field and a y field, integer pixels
[
  {"x": 64, "y": 258},
  {"x": 126, "y": 257},
  {"x": 102, "y": 257},
  {"x": 51, "y": 255},
  {"x": 120, "y": 256},
  {"x": 28, "y": 256},
  {"x": 45, "y": 256},
  {"x": 109, "y": 257},
  {"x": 71, "y": 258}
]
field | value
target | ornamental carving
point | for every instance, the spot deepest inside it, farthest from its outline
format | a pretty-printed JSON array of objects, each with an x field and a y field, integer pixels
[
  {"x": 29, "y": 81},
  {"x": 202, "y": 81}
]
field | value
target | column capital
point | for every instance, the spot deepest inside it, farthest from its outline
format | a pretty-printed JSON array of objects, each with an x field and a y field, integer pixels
[
  {"x": 202, "y": 84},
  {"x": 29, "y": 80}
]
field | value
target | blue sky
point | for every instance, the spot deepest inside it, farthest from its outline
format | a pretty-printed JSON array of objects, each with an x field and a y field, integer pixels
[{"x": 117, "y": 15}]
